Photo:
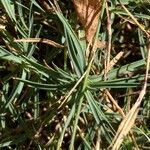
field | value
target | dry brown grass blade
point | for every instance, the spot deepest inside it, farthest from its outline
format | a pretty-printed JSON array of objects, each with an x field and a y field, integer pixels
[
  {"x": 101, "y": 44},
  {"x": 135, "y": 22},
  {"x": 114, "y": 103},
  {"x": 113, "y": 61},
  {"x": 98, "y": 141},
  {"x": 109, "y": 40},
  {"x": 122, "y": 114},
  {"x": 40, "y": 40},
  {"x": 111, "y": 64},
  {"x": 129, "y": 120}
]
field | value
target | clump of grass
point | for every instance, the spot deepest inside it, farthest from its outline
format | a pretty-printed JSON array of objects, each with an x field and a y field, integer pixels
[{"x": 52, "y": 95}]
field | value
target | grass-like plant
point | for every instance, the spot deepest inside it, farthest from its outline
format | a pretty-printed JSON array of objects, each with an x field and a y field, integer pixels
[{"x": 53, "y": 96}]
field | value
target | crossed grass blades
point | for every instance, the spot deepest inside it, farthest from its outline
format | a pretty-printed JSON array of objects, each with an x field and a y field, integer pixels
[{"x": 54, "y": 95}]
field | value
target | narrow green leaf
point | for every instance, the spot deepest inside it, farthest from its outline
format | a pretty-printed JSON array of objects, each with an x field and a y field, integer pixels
[
  {"x": 70, "y": 116},
  {"x": 9, "y": 7},
  {"x": 76, "y": 53}
]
